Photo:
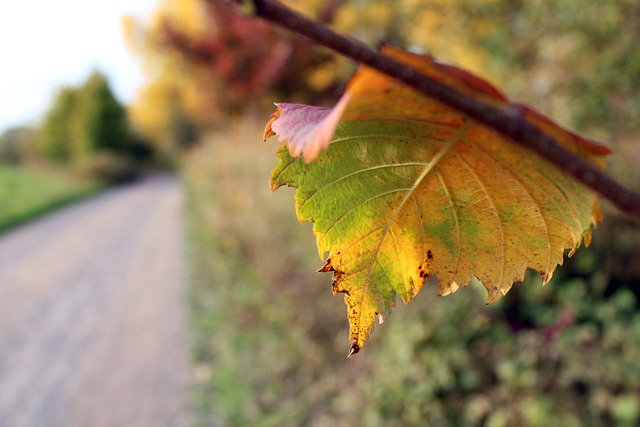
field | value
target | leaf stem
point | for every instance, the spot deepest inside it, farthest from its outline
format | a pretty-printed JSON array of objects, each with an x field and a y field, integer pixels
[{"x": 507, "y": 121}]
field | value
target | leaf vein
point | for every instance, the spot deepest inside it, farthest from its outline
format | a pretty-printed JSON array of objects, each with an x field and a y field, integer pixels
[
  {"x": 516, "y": 178},
  {"x": 281, "y": 171},
  {"x": 496, "y": 214},
  {"x": 358, "y": 205},
  {"x": 355, "y": 173},
  {"x": 456, "y": 222},
  {"x": 461, "y": 132}
]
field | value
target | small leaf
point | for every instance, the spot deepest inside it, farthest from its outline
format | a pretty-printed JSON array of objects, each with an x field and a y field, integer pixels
[
  {"x": 409, "y": 188},
  {"x": 308, "y": 129}
]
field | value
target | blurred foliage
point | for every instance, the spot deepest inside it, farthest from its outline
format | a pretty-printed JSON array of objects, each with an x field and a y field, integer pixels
[
  {"x": 576, "y": 59},
  {"x": 160, "y": 110},
  {"x": 85, "y": 125},
  {"x": 436, "y": 27}
]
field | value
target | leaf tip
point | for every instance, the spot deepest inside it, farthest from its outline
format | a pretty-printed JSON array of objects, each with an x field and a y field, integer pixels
[
  {"x": 268, "y": 131},
  {"x": 546, "y": 276},
  {"x": 354, "y": 349},
  {"x": 381, "y": 318},
  {"x": 447, "y": 289},
  {"x": 326, "y": 267},
  {"x": 494, "y": 295}
]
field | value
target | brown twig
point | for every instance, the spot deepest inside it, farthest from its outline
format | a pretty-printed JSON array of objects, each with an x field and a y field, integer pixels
[{"x": 507, "y": 122}]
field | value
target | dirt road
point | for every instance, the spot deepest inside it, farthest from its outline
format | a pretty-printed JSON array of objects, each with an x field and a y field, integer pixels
[{"x": 92, "y": 313}]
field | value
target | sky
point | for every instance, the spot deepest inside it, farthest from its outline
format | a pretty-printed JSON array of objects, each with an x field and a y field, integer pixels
[{"x": 45, "y": 44}]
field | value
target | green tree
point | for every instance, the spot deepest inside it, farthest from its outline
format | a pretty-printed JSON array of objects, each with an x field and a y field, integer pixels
[
  {"x": 54, "y": 138},
  {"x": 101, "y": 121},
  {"x": 82, "y": 122}
]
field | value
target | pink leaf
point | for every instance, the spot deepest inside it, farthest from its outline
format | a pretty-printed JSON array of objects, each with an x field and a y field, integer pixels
[{"x": 307, "y": 129}]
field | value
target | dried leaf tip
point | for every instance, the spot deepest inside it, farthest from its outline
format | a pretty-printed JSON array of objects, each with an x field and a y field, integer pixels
[
  {"x": 268, "y": 131},
  {"x": 326, "y": 267},
  {"x": 355, "y": 348}
]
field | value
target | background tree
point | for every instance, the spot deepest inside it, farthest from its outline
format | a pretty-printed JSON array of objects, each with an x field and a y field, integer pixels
[
  {"x": 55, "y": 136},
  {"x": 100, "y": 120},
  {"x": 87, "y": 129}
]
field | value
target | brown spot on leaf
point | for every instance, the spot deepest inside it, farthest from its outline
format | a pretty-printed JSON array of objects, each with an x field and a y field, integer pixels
[
  {"x": 424, "y": 274},
  {"x": 327, "y": 267},
  {"x": 337, "y": 277},
  {"x": 423, "y": 270},
  {"x": 336, "y": 290}
]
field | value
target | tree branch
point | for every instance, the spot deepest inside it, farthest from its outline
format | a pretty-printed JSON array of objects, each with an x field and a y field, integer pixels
[{"x": 506, "y": 121}]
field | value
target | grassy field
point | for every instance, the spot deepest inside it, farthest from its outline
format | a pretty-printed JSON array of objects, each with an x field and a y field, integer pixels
[
  {"x": 26, "y": 193},
  {"x": 269, "y": 339}
]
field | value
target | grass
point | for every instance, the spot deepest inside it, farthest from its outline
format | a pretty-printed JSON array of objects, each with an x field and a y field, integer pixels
[{"x": 26, "y": 193}]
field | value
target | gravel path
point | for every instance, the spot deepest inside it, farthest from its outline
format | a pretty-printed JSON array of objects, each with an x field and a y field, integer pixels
[{"x": 92, "y": 313}]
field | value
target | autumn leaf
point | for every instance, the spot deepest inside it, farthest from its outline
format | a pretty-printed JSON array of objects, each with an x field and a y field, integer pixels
[{"x": 409, "y": 188}]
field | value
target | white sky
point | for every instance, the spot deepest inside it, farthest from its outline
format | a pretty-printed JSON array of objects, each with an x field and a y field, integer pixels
[{"x": 45, "y": 44}]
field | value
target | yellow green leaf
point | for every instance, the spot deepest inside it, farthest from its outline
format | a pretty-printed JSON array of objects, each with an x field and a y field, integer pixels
[{"x": 409, "y": 188}]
